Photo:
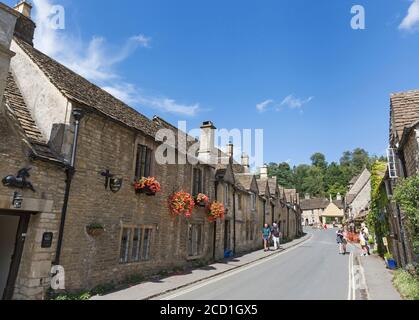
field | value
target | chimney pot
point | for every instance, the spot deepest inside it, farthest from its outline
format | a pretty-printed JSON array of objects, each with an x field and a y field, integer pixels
[{"x": 25, "y": 8}]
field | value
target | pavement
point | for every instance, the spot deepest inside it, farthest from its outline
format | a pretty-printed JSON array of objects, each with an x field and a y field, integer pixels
[
  {"x": 309, "y": 268},
  {"x": 377, "y": 279},
  {"x": 152, "y": 289}
]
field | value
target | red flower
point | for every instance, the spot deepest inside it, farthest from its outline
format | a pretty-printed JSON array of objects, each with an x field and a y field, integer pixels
[{"x": 181, "y": 203}]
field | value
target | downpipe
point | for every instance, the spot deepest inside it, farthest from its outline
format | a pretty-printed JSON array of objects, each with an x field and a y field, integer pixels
[{"x": 69, "y": 172}]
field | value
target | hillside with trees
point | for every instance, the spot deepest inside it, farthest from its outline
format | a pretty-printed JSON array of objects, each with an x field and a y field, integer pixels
[{"x": 320, "y": 178}]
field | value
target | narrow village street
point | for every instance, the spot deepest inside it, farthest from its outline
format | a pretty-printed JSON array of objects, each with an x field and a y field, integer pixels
[
  {"x": 209, "y": 151},
  {"x": 312, "y": 270}
]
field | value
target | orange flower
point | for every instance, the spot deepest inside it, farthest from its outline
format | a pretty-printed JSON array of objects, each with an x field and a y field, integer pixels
[
  {"x": 151, "y": 183},
  {"x": 181, "y": 203},
  {"x": 216, "y": 211}
]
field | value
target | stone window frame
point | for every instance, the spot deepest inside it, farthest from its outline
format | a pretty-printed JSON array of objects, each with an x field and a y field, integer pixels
[
  {"x": 253, "y": 201},
  {"x": 201, "y": 188},
  {"x": 226, "y": 192},
  {"x": 144, "y": 141},
  {"x": 201, "y": 245},
  {"x": 132, "y": 228}
]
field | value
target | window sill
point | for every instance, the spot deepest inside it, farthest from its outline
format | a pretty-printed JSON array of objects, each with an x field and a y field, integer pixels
[{"x": 195, "y": 258}]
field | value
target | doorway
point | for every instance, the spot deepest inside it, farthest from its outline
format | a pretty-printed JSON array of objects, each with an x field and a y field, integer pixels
[{"x": 13, "y": 228}]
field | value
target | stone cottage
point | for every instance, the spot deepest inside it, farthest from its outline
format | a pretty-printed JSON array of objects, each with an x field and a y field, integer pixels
[
  {"x": 32, "y": 184},
  {"x": 403, "y": 163},
  {"x": 84, "y": 149}
]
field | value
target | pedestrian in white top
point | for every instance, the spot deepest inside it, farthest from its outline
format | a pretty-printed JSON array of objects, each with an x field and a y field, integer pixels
[{"x": 276, "y": 234}]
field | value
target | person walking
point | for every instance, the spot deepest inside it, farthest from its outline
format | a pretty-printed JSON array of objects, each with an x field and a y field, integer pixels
[
  {"x": 276, "y": 234},
  {"x": 340, "y": 239},
  {"x": 266, "y": 234},
  {"x": 366, "y": 234},
  {"x": 363, "y": 244}
]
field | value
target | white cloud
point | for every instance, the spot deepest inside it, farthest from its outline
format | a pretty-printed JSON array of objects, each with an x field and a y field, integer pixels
[
  {"x": 261, "y": 107},
  {"x": 295, "y": 103},
  {"x": 97, "y": 61},
  {"x": 411, "y": 20},
  {"x": 130, "y": 94}
]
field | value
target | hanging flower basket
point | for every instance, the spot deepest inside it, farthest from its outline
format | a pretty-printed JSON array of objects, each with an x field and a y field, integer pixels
[
  {"x": 95, "y": 229},
  {"x": 181, "y": 203},
  {"x": 150, "y": 186},
  {"x": 216, "y": 211},
  {"x": 202, "y": 200}
]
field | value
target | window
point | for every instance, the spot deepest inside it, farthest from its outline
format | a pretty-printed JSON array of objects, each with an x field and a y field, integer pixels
[
  {"x": 125, "y": 239},
  {"x": 253, "y": 201},
  {"x": 197, "y": 181},
  {"x": 143, "y": 161},
  {"x": 195, "y": 240},
  {"x": 239, "y": 202},
  {"x": 135, "y": 244},
  {"x": 226, "y": 195}
]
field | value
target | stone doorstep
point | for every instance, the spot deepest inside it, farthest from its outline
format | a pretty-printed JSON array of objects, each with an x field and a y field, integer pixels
[{"x": 234, "y": 267}]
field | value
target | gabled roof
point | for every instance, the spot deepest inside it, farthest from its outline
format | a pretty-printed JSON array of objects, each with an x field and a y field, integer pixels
[
  {"x": 273, "y": 186},
  {"x": 77, "y": 89},
  {"x": 332, "y": 211},
  {"x": 319, "y": 203},
  {"x": 263, "y": 186},
  {"x": 404, "y": 111},
  {"x": 247, "y": 181},
  {"x": 18, "y": 110}
]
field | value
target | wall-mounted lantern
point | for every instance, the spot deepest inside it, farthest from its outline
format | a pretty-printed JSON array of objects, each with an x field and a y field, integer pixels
[
  {"x": 114, "y": 183},
  {"x": 17, "y": 200}
]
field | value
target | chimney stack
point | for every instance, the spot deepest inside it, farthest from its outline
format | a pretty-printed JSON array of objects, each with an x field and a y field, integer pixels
[
  {"x": 246, "y": 162},
  {"x": 339, "y": 197},
  {"x": 207, "y": 143},
  {"x": 7, "y": 23},
  {"x": 25, "y": 8},
  {"x": 307, "y": 196},
  {"x": 264, "y": 172},
  {"x": 25, "y": 27},
  {"x": 230, "y": 150}
]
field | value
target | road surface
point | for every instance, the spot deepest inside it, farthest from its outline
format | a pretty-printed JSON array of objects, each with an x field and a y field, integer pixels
[{"x": 311, "y": 271}]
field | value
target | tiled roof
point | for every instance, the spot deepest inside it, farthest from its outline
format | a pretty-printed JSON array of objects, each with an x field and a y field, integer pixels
[
  {"x": 76, "y": 88},
  {"x": 404, "y": 110},
  {"x": 262, "y": 184},
  {"x": 18, "y": 109},
  {"x": 319, "y": 203},
  {"x": 244, "y": 180},
  {"x": 273, "y": 185}
]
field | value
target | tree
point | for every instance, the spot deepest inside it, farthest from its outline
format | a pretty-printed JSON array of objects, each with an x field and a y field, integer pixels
[
  {"x": 283, "y": 173},
  {"x": 319, "y": 160},
  {"x": 360, "y": 159},
  {"x": 313, "y": 183}
]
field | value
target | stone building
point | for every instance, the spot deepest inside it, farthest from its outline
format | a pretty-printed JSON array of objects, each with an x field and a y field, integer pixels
[
  {"x": 314, "y": 210},
  {"x": 403, "y": 163},
  {"x": 358, "y": 197},
  {"x": 33, "y": 183},
  {"x": 85, "y": 148}
]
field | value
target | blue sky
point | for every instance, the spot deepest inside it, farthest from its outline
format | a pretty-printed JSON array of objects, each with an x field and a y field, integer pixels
[{"x": 294, "y": 68}]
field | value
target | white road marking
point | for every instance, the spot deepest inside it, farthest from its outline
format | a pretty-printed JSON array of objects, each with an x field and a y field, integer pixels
[
  {"x": 350, "y": 277},
  {"x": 234, "y": 272}
]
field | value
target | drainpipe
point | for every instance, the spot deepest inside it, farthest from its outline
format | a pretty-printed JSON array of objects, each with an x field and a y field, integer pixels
[
  {"x": 234, "y": 220},
  {"x": 69, "y": 171},
  {"x": 214, "y": 243}
]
